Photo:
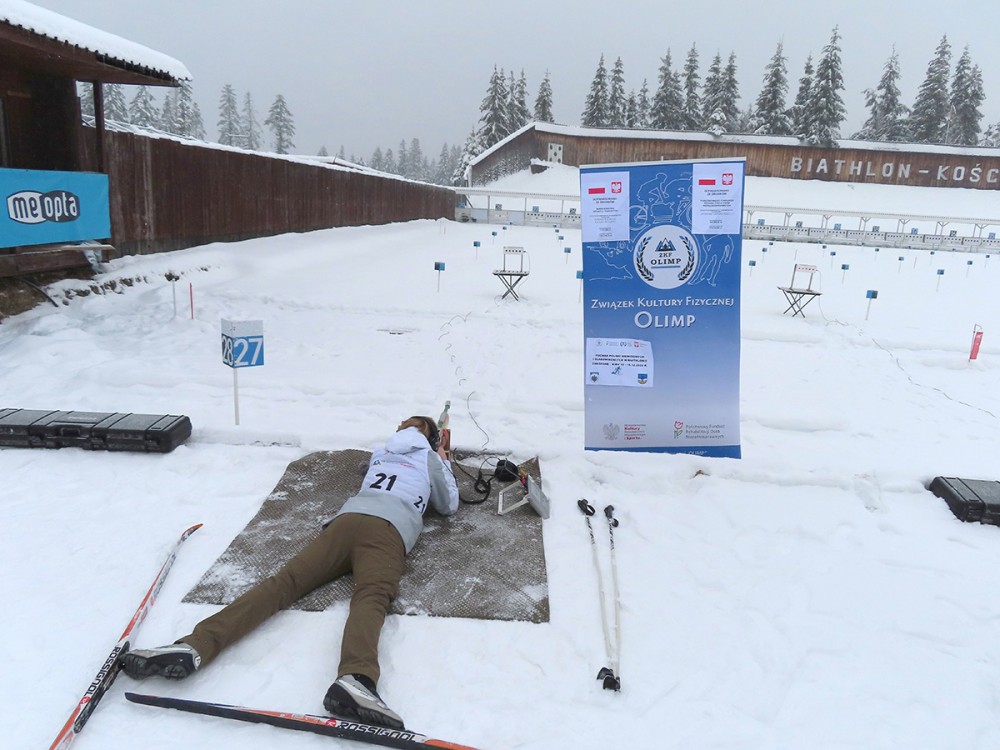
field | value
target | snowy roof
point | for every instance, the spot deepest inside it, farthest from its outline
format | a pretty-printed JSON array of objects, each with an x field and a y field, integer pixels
[
  {"x": 110, "y": 49},
  {"x": 774, "y": 140}
]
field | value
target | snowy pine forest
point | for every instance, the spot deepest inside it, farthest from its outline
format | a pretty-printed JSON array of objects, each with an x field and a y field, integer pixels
[{"x": 947, "y": 108}]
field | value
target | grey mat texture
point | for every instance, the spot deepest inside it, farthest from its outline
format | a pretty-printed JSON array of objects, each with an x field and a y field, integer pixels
[{"x": 474, "y": 564}]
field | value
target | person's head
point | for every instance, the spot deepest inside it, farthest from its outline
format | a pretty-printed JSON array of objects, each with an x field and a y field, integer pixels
[{"x": 428, "y": 428}]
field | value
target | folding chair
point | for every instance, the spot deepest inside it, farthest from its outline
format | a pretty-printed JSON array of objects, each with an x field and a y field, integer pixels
[
  {"x": 510, "y": 276},
  {"x": 798, "y": 297}
]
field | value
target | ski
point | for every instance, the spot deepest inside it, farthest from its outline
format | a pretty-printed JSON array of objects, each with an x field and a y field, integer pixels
[
  {"x": 108, "y": 672},
  {"x": 326, "y": 725}
]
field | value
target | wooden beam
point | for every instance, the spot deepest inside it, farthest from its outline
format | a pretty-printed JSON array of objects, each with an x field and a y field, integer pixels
[{"x": 99, "y": 122}]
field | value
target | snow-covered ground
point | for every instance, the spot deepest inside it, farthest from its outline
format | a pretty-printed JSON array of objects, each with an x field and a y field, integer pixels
[{"x": 812, "y": 595}]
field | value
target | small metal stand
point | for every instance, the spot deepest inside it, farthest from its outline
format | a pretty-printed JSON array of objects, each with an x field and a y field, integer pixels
[
  {"x": 530, "y": 494},
  {"x": 510, "y": 276}
]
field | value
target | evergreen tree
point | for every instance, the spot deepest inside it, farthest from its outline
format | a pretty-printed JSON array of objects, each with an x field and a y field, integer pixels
[
  {"x": 731, "y": 95},
  {"x": 186, "y": 116},
  {"x": 389, "y": 162},
  {"x": 631, "y": 110},
  {"x": 167, "y": 120},
  {"x": 115, "y": 106},
  {"x": 323, "y": 152},
  {"x": 519, "y": 115},
  {"x": 249, "y": 127},
  {"x": 643, "y": 106},
  {"x": 692, "y": 97},
  {"x": 770, "y": 116},
  {"x": 469, "y": 152},
  {"x": 991, "y": 138},
  {"x": 418, "y": 163},
  {"x": 827, "y": 105},
  {"x": 341, "y": 154},
  {"x": 183, "y": 109},
  {"x": 887, "y": 114},
  {"x": 377, "y": 161},
  {"x": 668, "y": 110},
  {"x": 967, "y": 96},
  {"x": 86, "y": 93},
  {"x": 595, "y": 109},
  {"x": 617, "y": 102},
  {"x": 543, "y": 102},
  {"x": 230, "y": 132},
  {"x": 282, "y": 125},
  {"x": 443, "y": 168},
  {"x": 929, "y": 118},
  {"x": 142, "y": 109},
  {"x": 403, "y": 165},
  {"x": 494, "y": 125},
  {"x": 197, "y": 127},
  {"x": 801, "y": 109},
  {"x": 718, "y": 103}
]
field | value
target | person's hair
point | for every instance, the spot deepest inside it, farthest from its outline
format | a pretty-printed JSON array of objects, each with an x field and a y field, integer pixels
[{"x": 430, "y": 430}]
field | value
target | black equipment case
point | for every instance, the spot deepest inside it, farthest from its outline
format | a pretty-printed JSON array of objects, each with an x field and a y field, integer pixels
[
  {"x": 150, "y": 433},
  {"x": 970, "y": 499}
]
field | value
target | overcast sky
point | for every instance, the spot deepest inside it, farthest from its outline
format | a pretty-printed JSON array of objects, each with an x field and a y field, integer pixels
[{"x": 369, "y": 73}]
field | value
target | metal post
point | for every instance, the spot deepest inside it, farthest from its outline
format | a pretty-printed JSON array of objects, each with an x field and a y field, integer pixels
[
  {"x": 99, "y": 122},
  {"x": 236, "y": 395}
]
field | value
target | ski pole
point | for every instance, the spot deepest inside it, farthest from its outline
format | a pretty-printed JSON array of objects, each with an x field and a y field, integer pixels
[
  {"x": 606, "y": 674},
  {"x": 614, "y": 677}
]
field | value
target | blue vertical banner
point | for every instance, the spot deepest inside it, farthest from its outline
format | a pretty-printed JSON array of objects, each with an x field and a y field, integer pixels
[{"x": 661, "y": 292}]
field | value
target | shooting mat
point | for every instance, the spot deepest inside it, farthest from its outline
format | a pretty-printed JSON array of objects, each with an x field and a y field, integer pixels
[{"x": 474, "y": 564}]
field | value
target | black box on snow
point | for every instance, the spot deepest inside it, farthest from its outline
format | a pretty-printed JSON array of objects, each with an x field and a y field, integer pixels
[
  {"x": 970, "y": 499},
  {"x": 150, "y": 433}
]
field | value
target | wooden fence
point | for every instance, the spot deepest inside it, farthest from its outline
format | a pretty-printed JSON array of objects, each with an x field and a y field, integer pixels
[{"x": 167, "y": 194}]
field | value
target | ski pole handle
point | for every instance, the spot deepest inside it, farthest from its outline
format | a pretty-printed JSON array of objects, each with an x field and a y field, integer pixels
[
  {"x": 585, "y": 507},
  {"x": 609, "y": 512}
]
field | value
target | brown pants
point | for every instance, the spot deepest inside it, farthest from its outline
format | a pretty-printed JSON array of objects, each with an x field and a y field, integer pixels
[{"x": 369, "y": 547}]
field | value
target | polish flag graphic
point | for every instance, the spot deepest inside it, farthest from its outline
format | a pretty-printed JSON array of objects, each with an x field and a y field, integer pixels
[
  {"x": 595, "y": 191},
  {"x": 708, "y": 181}
]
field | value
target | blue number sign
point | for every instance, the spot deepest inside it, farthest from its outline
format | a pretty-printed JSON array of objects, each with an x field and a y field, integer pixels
[{"x": 242, "y": 343}]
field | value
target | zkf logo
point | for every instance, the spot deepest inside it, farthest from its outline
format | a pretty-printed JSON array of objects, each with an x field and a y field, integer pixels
[{"x": 616, "y": 187}]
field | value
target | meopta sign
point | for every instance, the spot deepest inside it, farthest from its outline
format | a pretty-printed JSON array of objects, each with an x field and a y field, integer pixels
[
  {"x": 33, "y": 207},
  {"x": 39, "y": 207}
]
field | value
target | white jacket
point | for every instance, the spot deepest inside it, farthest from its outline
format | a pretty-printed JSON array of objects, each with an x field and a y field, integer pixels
[{"x": 403, "y": 478}]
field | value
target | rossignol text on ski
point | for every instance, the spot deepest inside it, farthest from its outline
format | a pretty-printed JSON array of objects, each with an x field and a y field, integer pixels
[
  {"x": 330, "y": 726},
  {"x": 608, "y": 675},
  {"x": 112, "y": 665}
]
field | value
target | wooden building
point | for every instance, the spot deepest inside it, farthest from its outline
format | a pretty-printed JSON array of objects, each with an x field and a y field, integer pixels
[
  {"x": 163, "y": 193},
  {"x": 767, "y": 156},
  {"x": 42, "y": 56}
]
